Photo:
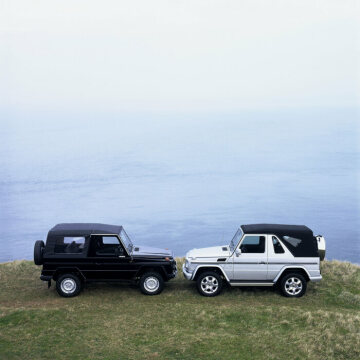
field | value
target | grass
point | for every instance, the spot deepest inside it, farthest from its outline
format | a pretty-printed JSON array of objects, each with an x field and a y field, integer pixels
[{"x": 113, "y": 321}]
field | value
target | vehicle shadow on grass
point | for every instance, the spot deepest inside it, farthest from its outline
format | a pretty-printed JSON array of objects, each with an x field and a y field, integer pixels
[
  {"x": 190, "y": 288},
  {"x": 110, "y": 287},
  {"x": 179, "y": 288}
]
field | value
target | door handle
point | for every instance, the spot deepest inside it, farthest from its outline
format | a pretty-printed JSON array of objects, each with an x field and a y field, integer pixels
[
  {"x": 97, "y": 264},
  {"x": 262, "y": 262}
]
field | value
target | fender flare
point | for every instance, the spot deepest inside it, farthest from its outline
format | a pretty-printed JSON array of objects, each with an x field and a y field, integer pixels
[
  {"x": 290, "y": 267},
  {"x": 62, "y": 270},
  {"x": 157, "y": 268},
  {"x": 210, "y": 266}
]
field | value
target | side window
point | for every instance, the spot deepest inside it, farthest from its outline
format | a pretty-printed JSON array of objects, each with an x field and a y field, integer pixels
[
  {"x": 278, "y": 249},
  {"x": 292, "y": 241},
  {"x": 253, "y": 244},
  {"x": 69, "y": 245},
  {"x": 107, "y": 246}
]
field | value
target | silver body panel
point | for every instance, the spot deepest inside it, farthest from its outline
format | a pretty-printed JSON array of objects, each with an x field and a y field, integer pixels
[{"x": 250, "y": 269}]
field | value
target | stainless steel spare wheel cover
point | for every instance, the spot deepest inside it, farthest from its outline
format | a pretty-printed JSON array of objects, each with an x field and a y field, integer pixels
[
  {"x": 151, "y": 284},
  {"x": 68, "y": 286},
  {"x": 209, "y": 284},
  {"x": 293, "y": 286}
]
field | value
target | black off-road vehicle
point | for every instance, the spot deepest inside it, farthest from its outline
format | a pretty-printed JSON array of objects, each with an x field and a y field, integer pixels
[{"x": 78, "y": 253}]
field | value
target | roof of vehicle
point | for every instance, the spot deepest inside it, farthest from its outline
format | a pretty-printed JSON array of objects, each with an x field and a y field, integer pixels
[
  {"x": 277, "y": 229},
  {"x": 84, "y": 229},
  {"x": 305, "y": 244}
]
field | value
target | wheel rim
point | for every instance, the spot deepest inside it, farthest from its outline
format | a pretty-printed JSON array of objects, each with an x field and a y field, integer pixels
[
  {"x": 209, "y": 284},
  {"x": 68, "y": 286},
  {"x": 293, "y": 286},
  {"x": 151, "y": 284}
]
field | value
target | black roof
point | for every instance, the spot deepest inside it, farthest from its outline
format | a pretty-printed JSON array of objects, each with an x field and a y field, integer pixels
[
  {"x": 278, "y": 229},
  {"x": 304, "y": 246},
  {"x": 84, "y": 229}
]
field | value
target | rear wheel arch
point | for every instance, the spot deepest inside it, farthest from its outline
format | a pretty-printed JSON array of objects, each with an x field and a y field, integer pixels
[
  {"x": 61, "y": 271},
  {"x": 293, "y": 270}
]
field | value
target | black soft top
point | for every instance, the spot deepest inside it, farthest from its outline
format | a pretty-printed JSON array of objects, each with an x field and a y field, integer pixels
[
  {"x": 277, "y": 229},
  {"x": 84, "y": 229},
  {"x": 299, "y": 239}
]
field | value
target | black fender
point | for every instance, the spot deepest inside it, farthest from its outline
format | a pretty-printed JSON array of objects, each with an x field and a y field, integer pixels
[
  {"x": 68, "y": 270},
  {"x": 148, "y": 268}
]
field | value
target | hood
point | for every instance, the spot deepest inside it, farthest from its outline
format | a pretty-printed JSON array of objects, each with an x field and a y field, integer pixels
[
  {"x": 215, "y": 251},
  {"x": 140, "y": 250}
]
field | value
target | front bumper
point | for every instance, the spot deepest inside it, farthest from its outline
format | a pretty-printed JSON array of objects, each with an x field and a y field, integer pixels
[
  {"x": 174, "y": 272},
  {"x": 172, "y": 275},
  {"x": 188, "y": 275},
  {"x": 316, "y": 278}
]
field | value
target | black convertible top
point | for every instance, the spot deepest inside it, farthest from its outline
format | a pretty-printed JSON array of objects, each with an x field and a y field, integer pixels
[
  {"x": 277, "y": 229},
  {"x": 299, "y": 239},
  {"x": 84, "y": 229}
]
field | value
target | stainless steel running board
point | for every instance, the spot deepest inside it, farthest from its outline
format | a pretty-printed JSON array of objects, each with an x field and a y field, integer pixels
[{"x": 251, "y": 284}]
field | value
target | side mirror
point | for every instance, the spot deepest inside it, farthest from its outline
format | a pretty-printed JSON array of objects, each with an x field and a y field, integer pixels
[{"x": 237, "y": 252}]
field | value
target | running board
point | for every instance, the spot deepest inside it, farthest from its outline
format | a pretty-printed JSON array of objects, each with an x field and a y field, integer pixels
[{"x": 251, "y": 283}]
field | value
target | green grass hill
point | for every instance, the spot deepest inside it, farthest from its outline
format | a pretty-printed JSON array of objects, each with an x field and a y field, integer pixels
[{"x": 115, "y": 321}]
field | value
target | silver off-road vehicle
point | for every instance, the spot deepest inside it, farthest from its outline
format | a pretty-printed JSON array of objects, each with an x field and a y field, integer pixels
[{"x": 259, "y": 255}]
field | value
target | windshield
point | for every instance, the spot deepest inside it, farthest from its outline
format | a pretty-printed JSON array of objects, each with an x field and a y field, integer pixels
[
  {"x": 126, "y": 241},
  {"x": 235, "y": 240}
]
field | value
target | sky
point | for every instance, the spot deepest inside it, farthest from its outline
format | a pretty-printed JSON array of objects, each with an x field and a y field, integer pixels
[
  {"x": 173, "y": 117},
  {"x": 178, "y": 56}
]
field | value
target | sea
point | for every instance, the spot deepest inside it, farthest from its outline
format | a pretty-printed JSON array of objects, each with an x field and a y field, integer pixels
[{"x": 180, "y": 181}]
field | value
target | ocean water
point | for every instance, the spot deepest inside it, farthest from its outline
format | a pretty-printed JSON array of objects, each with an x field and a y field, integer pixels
[{"x": 180, "y": 181}]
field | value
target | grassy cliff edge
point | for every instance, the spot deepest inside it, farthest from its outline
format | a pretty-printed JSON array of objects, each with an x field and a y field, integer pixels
[{"x": 114, "y": 321}]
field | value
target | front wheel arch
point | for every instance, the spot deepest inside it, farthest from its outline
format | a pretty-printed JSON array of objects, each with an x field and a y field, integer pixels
[
  {"x": 158, "y": 269},
  {"x": 201, "y": 270}
]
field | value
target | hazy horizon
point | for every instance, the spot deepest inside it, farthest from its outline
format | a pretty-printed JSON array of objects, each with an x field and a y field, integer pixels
[{"x": 179, "y": 120}]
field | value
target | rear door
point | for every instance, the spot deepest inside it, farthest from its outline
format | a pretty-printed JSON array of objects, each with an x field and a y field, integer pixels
[{"x": 251, "y": 263}]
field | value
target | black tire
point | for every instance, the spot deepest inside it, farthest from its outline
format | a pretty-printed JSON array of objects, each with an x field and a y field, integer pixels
[
  {"x": 68, "y": 285},
  {"x": 209, "y": 283},
  {"x": 293, "y": 285},
  {"x": 151, "y": 283},
  {"x": 38, "y": 252}
]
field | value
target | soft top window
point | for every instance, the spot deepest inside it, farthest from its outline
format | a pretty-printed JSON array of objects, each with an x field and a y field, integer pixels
[
  {"x": 69, "y": 245},
  {"x": 293, "y": 241},
  {"x": 293, "y": 244},
  {"x": 78, "y": 240},
  {"x": 306, "y": 247}
]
